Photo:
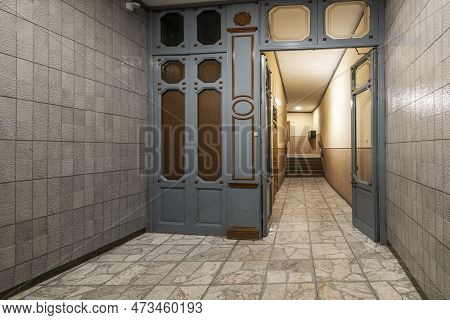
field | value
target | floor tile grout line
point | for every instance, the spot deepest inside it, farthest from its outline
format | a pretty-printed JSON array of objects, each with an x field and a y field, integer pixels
[
  {"x": 218, "y": 272},
  {"x": 311, "y": 252},
  {"x": 264, "y": 285},
  {"x": 352, "y": 251}
]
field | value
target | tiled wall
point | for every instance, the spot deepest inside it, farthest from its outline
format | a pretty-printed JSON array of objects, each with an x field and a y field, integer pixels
[
  {"x": 418, "y": 139},
  {"x": 72, "y": 95}
]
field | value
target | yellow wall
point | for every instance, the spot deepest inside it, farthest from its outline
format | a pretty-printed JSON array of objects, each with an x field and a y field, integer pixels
[
  {"x": 300, "y": 123},
  {"x": 335, "y": 109},
  {"x": 278, "y": 93},
  {"x": 334, "y": 116},
  {"x": 279, "y": 134}
]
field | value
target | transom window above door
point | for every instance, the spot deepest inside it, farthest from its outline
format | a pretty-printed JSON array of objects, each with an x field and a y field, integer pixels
[
  {"x": 291, "y": 24},
  {"x": 189, "y": 30}
]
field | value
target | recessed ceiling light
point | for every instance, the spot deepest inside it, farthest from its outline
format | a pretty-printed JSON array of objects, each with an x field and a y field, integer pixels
[{"x": 298, "y": 108}]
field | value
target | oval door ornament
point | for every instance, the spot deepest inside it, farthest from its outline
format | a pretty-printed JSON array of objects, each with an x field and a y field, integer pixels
[
  {"x": 243, "y": 108},
  {"x": 242, "y": 19}
]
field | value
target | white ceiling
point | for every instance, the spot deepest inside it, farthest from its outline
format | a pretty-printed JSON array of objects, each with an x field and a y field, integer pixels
[
  {"x": 160, "y": 3},
  {"x": 306, "y": 75}
]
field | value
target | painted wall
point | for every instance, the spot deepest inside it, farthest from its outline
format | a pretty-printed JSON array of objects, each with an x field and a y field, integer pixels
[
  {"x": 334, "y": 117},
  {"x": 280, "y": 133},
  {"x": 418, "y": 139},
  {"x": 300, "y": 125},
  {"x": 72, "y": 94}
]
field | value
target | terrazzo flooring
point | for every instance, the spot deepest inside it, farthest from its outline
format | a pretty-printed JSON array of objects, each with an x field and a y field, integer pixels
[{"x": 312, "y": 252}]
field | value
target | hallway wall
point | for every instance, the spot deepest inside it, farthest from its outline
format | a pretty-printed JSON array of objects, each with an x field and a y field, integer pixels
[
  {"x": 281, "y": 136},
  {"x": 72, "y": 94},
  {"x": 418, "y": 139},
  {"x": 300, "y": 125},
  {"x": 335, "y": 127}
]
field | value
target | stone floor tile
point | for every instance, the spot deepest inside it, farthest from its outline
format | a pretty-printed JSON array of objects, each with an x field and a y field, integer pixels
[
  {"x": 126, "y": 253},
  {"x": 59, "y": 292},
  {"x": 301, "y": 291},
  {"x": 142, "y": 273},
  {"x": 331, "y": 251},
  {"x": 274, "y": 291},
  {"x": 345, "y": 291},
  {"x": 218, "y": 240},
  {"x": 208, "y": 252},
  {"x": 338, "y": 270},
  {"x": 234, "y": 292},
  {"x": 150, "y": 238},
  {"x": 248, "y": 272},
  {"x": 192, "y": 273},
  {"x": 115, "y": 293},
  {"x": 179, "y": 239},
  {"x": 286, "y": 237},
  {"x": 395, "y": 290},
  {"x": 383, "y": 270},
  {"x": 370, "y": 250},
  {"x": 292, "y": 251},
  {"x": 266, "y": 240},
  {"x": 250, "y": 252},
  {"x": 176, "y": 293},
  {"x": 283, "y": 227},
  {"x": 290, "y": 271},
  {"x": 323, "y": 225},
  {"x": 169, "y": 252},
  {"x": 327, "y": 236},
  {"x": 92, "y": 273}
]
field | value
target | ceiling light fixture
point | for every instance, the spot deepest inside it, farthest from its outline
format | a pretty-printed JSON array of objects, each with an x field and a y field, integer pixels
[{"x": 298, "y": 108}]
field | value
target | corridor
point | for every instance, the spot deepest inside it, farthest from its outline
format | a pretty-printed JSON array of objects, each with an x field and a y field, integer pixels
[{"x": 312, "y": 252}]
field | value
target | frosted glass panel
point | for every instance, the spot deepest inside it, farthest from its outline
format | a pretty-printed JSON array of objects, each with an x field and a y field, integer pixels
[
  {"x": 289, "y": 23},
  {"x": 347, "y": 20},
  {"x": 364, "y": 136},
  {"x": 363, "y": 74}
]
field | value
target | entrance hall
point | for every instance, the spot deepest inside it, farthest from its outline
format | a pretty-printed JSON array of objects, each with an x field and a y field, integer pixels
[{"x": 311, "y": 252}]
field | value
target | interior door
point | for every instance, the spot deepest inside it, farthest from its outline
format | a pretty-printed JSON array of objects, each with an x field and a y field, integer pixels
[
  {"x": 364, "y": 142},
  {"x": 209, "y": 191},
  {"x": 188, "y": 190},
  {"x": 266, "y": 155}
]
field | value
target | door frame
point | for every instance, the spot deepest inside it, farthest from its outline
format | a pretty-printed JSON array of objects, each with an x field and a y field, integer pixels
[
  {"x": 266, "y": 148},
  {"x": 373, "y": 186},
  {"x": 380, "y": 159}
]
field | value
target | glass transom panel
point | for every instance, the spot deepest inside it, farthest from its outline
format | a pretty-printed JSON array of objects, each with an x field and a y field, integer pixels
[
  {"x": 289, "y": 23},
  {"x": 209, "y": 27},
  {"x": 172, "y": 29},
  {"x": 347, "y": 20},
  {"x": 363, "y": 74}
]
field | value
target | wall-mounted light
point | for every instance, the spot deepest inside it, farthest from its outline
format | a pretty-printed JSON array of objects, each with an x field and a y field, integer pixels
[{"x": 131, "y": 6}]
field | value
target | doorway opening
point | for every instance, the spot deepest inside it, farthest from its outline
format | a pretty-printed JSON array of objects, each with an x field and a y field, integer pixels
[{"x": 320, "y": 109}]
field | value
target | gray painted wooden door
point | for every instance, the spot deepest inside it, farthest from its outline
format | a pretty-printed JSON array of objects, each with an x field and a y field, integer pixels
[
  {"x": 189, "y": 195},
  {"x": 364, "y": 146}
]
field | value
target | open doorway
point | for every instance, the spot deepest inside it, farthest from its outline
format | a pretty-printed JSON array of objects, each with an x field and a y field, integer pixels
[{"x": 321, "y": 115}]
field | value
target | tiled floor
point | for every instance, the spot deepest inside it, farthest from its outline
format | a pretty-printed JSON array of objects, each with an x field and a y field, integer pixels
[{"x": 312, "y": 252}]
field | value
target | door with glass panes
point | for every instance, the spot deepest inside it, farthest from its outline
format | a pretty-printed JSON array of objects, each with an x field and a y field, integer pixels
[{"x": 189, "y": 112}]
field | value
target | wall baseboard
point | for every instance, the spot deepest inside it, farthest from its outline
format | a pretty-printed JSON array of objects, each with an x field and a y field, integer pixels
[{"x": 52, "y": 273}]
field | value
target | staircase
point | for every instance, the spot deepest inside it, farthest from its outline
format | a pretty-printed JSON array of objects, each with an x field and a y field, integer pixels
[{"x": 304, "y": 166}]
